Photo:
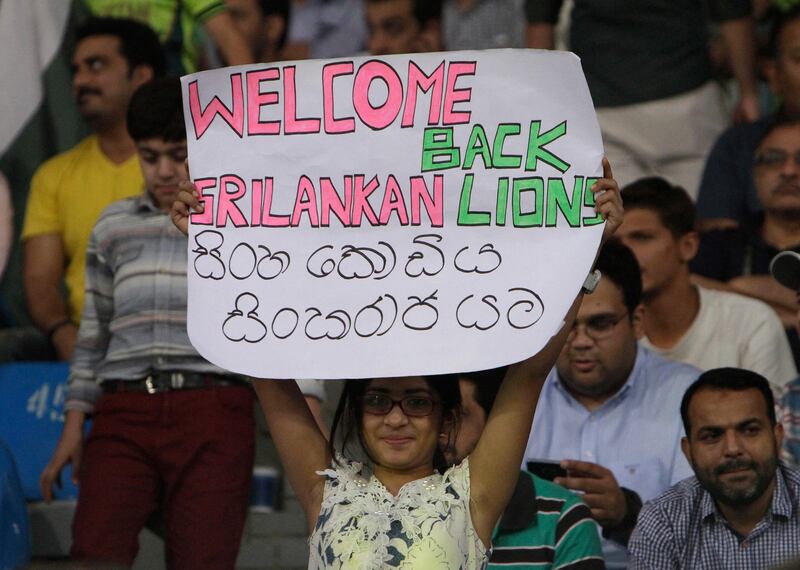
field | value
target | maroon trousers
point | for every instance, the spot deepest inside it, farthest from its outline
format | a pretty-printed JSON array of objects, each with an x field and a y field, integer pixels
[{"x": 190, "y": 453}]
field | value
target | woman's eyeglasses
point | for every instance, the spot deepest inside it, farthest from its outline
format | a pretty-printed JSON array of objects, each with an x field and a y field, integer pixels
[{"x": 381, "y": 404}]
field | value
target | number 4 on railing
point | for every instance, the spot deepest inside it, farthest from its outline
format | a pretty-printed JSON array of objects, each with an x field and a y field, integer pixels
[{"x": 39, "y": 403}]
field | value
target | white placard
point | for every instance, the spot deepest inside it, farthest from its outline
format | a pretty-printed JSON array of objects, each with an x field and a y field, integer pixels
[{"x": 390, "y": 216}]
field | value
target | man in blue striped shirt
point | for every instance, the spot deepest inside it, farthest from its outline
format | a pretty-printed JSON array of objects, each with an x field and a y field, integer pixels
[{"x": 742, "y": 507}]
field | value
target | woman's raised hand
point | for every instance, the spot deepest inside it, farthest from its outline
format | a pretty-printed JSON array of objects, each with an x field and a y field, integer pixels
[{"x": 607, "y": 200}]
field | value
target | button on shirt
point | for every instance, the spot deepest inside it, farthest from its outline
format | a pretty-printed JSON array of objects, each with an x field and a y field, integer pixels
[
  {"x": 134, "y": 314},
  {"x": 683, "y": 529},
  {"x": 635, "y": 434}
]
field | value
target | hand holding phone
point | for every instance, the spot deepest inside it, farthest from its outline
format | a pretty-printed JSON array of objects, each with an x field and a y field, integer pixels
[{"x": 546, "y": 468}]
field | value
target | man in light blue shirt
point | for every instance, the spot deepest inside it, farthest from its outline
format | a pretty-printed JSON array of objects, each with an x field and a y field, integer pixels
[{"x": 609, "y": 410}]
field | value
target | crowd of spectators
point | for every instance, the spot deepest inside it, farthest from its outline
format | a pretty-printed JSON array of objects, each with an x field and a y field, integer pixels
[{"x": 671, "y": 421}]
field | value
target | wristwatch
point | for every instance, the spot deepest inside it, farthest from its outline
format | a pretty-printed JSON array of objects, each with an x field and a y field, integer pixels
[{"x": 591, "y": 282}]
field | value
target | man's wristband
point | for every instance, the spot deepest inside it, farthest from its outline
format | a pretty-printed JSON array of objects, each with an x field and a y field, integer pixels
[
  {"x": 591, "y": 282},
  {"x": 56, "y": 327},
  {"x": 622, "y": 532}
]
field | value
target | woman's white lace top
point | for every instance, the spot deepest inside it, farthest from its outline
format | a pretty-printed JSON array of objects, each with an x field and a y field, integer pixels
[{"x": 427, "y": 526}]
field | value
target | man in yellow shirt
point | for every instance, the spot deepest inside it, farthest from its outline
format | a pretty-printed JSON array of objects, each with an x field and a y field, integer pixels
[{"x": 112, "y": 58}]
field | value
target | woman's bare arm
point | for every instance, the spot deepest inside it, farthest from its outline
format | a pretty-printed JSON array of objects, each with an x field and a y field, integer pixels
[
  {"x": 302, "y": 447},
  {"x": 495, "y": 461}
]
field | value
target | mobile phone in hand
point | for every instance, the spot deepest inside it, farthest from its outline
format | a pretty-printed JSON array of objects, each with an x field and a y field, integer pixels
[{"x": 546, "y": 469}]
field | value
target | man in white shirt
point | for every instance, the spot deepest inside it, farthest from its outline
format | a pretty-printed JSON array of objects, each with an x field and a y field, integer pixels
[{"x": 704, "y": 327}]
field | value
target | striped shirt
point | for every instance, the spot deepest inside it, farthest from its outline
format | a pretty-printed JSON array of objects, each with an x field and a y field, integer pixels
[
  {"x": 789, "y": 412},
  {"x": 545, "y": 527},
  {"x": 683, "y": 529},
  {"x": 134, "y": 312}
]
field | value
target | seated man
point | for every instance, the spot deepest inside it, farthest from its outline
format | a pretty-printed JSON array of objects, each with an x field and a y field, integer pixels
[
  {"x": 703, "y": 327},
  {"x": 544, "y": 526},
  {"x": 738, "y": 259},
  {"x": 170, "y": 429},
  {"x": 728, "y": 197},
  {"x": 608, "y": 411},
  {"x": 742, "y": 507}
]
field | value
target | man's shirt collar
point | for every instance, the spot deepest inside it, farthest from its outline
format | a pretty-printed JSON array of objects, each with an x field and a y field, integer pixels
[{"x": 145, "y": 202}]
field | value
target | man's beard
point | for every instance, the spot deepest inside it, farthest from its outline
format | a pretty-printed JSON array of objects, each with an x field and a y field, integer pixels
[{"x": 737, "y": 497}]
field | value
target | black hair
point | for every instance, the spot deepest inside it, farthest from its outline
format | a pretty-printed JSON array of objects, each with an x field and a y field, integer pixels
[
  {"x": 672, "y": 204},
  {"x": 424, "y": 11},
  {"x": 427, "y": 10},
  {"x": 156, "y": 111},
  {"x": 139, "y": 44},
  {"x": 735, "y": 379},
  {"x": 775, "y": 124},
  {"x": 347, "y": 421},
  {"x": 487, "y": 384},
  {"x": 617, "y": 263},
  {"x": 276, "y": 7},
  {"x": 780, "y": 18}
]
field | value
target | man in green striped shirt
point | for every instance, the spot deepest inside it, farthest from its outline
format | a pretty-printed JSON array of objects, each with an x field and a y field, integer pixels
[{"x": 544, "y": 525}]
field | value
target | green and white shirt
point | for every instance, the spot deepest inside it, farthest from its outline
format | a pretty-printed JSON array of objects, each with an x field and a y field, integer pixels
[{"x": 545, "y": 527}]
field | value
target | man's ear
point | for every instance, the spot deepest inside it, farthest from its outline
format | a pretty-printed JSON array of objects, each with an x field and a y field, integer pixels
[
  {"x": 770, "y": 70},
  {"x": 688, "y": 245},
  {"x": 637, "y": 321},
  {"x": 686, "y": 450},
  {"x": 778, "y": 432},
  {"x": 141, "y": 74}
]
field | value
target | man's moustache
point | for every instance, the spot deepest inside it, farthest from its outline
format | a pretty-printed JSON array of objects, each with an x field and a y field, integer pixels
[
  {"x": 735, "y": 465},
  {"x": 87, "y": 91}
]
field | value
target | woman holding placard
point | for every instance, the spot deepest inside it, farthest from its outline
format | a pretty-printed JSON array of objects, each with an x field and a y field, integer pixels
[{"x": 406, "y": 508}]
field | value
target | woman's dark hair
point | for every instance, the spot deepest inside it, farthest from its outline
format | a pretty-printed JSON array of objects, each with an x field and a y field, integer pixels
[{"x": 347, "y": 422}]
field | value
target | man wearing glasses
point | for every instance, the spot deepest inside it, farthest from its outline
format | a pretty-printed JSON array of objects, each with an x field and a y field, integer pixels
[
  {"x": 608, "y": 411},
  {"x": 738, "y": 259}
]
